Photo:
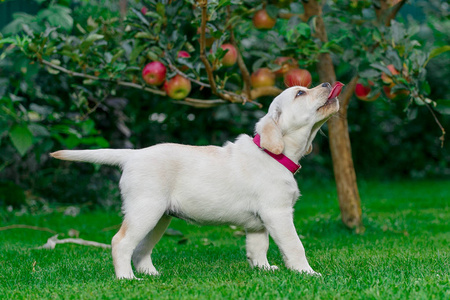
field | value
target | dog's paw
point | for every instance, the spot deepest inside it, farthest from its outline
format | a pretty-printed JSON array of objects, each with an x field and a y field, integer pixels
[
  {"x": 314, "y": 273},
  {"x": 127, "y": 277},
  {"x": 151, "y": 271},
  {"x": 310, "y": 272},
  {"x": 272, "y": 268},
  {"x": 145, "y": 266},
  {"x": 267, "y": 267}
]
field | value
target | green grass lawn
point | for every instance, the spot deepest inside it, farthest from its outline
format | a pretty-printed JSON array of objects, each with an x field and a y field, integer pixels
[{"x": 403, "y": 254}]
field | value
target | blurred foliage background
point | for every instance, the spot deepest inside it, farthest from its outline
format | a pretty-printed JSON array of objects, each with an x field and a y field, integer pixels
[{"x": 42, "y": 111}]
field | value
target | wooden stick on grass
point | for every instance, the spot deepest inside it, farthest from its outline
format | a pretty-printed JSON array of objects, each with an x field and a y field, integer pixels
[
  {"x": 22, "y": 226},
  {"x": 53, "y": 241}
]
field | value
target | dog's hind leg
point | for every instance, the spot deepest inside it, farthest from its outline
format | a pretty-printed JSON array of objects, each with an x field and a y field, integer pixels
[
  {"x": 137, "y": 224},
  {"x": 142, "y": 259},
  {"x": 257, "y": 244}
]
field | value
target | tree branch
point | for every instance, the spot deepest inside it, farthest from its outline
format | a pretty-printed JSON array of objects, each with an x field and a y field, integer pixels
[
  {"x": 87, "y": 76},
  {"x": 192, "y": 101},
  {"x": 226, "y": 95},
  {"x": 242, "y": 67},
  {"x": 302, "y": 17},
  {"x": 395, "y": 9},
  {"x": 385, "y": 13},
  {"x": 348, "y": 92},
  {"x": 200, "y": 103},
  {"x": 442, "y": 137},
  {"x": 178, "y": 71},
  {"x": 203, "y": 5}
]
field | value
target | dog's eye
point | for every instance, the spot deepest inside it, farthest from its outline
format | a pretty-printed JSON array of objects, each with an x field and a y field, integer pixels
[{"x": 300, "y": 93}]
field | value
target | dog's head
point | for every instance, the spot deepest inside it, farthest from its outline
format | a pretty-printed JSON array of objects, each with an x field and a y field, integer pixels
[{"x": 297, "y": 111}]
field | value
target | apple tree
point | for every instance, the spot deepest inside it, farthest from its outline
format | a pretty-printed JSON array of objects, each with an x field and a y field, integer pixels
[{"x": 209, "y": 53}]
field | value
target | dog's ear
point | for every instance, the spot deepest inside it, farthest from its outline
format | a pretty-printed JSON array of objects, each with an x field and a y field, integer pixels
[{"x": 270, "y": 132}]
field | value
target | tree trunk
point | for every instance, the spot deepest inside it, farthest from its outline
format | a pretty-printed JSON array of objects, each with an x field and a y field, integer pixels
[
  {"x": 341, "y": 153},
  {"x": 344, "y": 172}
]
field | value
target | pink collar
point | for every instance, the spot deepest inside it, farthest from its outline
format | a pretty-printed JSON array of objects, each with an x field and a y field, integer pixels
[{"x": 281, "y": 158}]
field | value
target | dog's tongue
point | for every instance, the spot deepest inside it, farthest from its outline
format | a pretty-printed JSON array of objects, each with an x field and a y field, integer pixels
[{"x": 337, "y": 88}]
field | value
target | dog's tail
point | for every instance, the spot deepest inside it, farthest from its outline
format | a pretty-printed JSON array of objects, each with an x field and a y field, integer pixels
[{"x": 114, "y": 157}]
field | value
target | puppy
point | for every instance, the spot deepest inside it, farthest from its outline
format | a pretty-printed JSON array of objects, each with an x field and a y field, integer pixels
[{"x": 248, "y": 183}]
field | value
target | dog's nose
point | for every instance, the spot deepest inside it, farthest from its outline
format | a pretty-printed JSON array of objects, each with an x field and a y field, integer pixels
[{"x": 326, "y": 84}]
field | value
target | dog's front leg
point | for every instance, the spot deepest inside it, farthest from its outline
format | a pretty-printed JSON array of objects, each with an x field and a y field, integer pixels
[
  {"x": 280, "y": 225},
  {"x": 257, "y": 244}
]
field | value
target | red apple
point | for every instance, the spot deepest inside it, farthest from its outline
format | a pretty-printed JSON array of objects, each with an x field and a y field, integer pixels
[
  {"x": 362, "y": 91},
  {"x": 262, "y": 77},
  {"x": 298, "y": 77},
  {"x": 154, "y": 73},
  {"x": 144, "y": 10},
  {"x": 183, "y": 53},
  {"x": 398, "y": 95},
  {"x": 178, "y": 87},
  {"x": 286, "y": 63},
  {"x": 230, "y": 57},
  {"x": 262, "y": 20},
  {"x": 386, "y": 78}
]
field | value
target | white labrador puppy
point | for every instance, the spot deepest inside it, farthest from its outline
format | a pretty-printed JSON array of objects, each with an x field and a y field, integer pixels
[{"x": 238, "y": 183}]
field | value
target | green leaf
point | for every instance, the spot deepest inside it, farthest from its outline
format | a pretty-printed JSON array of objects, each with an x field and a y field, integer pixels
[
  {"x": 88, "y": 127},
  {"x": 71, "y": 141},
  {"x": 258, "y": 63},
  {"x": 369, "y": 73},
  {"x": 7, "y": 41},
  {"x": 15, "y": 26},
  {"x": 102, "y": 142},
  {"x": 39, "y": 130},
  {"x": 57, "y": 15},
  {"x": 443, "y": 106},
  {"x": 152, "y": 56},
  {"x": 382, "y": 68},
  {"x": 425, "y": 88},
  {"x": 152, "y": 14},
  {"x": 144, "y": 35},
  {"x": 272, "y": 11},
  {"x": 398, "y": 31},
  {"x": 399, "y": 87},
  {"x": 90, "y": 41},
  {"x": 52, "y": 70},
  {"x": 437, "y": 51},
  {"x": 94, "y": 37},
  {"x": 117, "y": 55},
  {"x": 22, "y": 138},
  {"x": 161, "y": 9},
  {"x": 140, "y": 16},
  {"x": 223, "y": 3},
  {"x": 137, "y": 50},
  {"x": 119, "y": 67},
  {"x": 304, "y": 29},
  {"x": 393, "y": 57},
  {"x": 91, "y": 24}
]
